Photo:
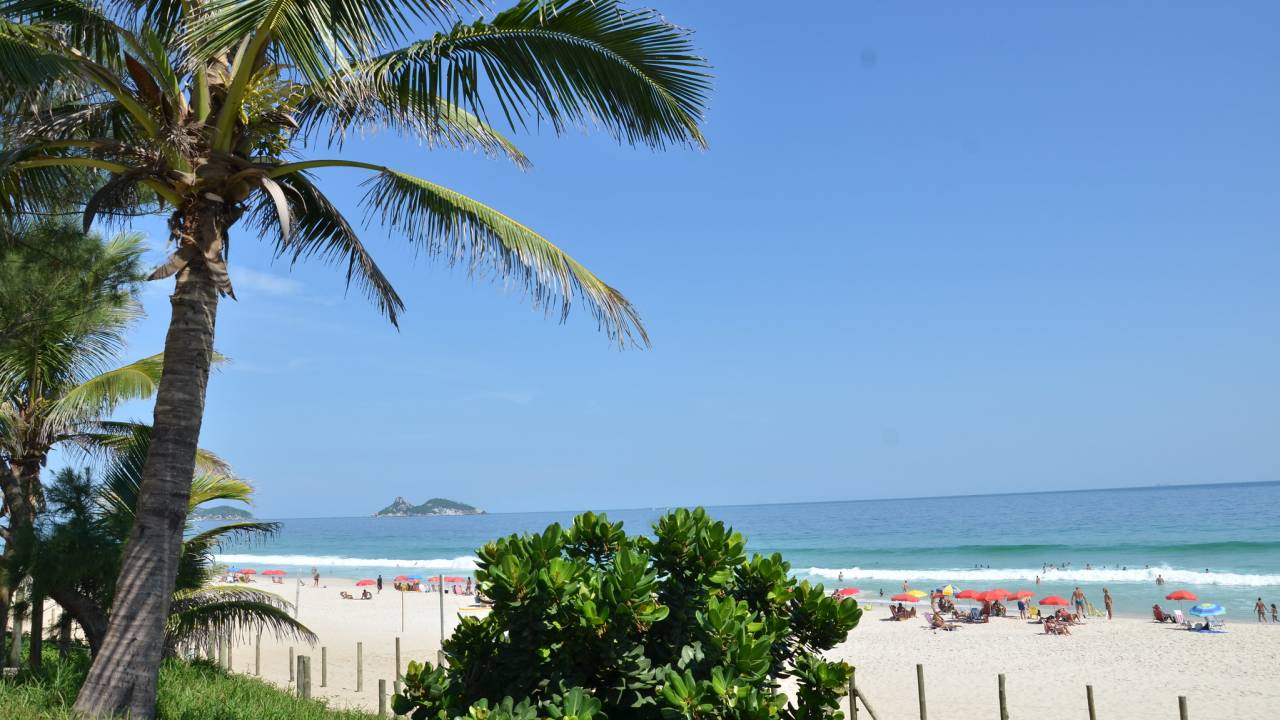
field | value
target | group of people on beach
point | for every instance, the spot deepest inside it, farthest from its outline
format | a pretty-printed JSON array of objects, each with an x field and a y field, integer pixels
[{"x": 1261, "y": 608}]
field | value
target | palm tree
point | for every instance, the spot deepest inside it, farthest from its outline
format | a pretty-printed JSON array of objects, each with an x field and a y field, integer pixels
[
  {"x": 66, "y": 298},
  {"x": 83, "y": 549},
  {"x": 200, "y": 106}
]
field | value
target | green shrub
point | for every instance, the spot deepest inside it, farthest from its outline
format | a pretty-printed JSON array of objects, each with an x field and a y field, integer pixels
[{"x": 589, "y": 623}]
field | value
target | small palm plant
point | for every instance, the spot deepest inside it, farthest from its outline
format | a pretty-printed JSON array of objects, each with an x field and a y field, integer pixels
[
  {"x": 201, "y": 107},
  {"x": 81, "y": 553}
]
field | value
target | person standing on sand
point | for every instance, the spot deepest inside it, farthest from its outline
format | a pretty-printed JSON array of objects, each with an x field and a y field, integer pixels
[
  {"x": 1106, "y": 600},
  {"x": 1261, "y": 607},
  {"x": 904, "y": 586},
  {"x": 315, "y": 577},
  {"x": 1274, "y": 619},
  {"x": 1078, "y": 596},
  {"x": 379, "y": 584}
]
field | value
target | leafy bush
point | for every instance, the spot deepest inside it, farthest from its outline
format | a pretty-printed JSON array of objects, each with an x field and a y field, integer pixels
[{"x": 589, "y": 623}]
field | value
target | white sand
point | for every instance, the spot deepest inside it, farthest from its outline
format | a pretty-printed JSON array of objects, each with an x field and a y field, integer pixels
[{"x": 1137, "y": 667}]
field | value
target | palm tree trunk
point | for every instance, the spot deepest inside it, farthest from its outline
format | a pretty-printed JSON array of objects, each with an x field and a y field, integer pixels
[
  {"x": 123, "y": 677},
  {"x": 17, "y": 501},
  {"x": 86, "y": 612},
  {"x": 35, "y": 653}
]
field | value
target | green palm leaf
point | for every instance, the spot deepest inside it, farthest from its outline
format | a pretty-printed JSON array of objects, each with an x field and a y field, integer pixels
[
  {"x": 567, "y": 61},
  {"x": 101, "y": 394},
  {"x": 220, "y": 612},
  {"x": 319, "y": 230},
  {"x": 461, "y": 230}
]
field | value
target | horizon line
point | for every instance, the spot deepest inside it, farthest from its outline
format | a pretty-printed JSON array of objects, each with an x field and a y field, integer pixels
[{"x": 1125, "y": 488}]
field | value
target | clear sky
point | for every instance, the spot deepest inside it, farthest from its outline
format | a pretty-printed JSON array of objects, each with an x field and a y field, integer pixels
[{"x": 934, "y": 248}]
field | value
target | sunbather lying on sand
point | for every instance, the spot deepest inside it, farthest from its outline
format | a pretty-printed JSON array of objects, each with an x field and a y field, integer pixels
[
  {"x": 345, "y": 595},
  {"x": 938, "y": 622}
]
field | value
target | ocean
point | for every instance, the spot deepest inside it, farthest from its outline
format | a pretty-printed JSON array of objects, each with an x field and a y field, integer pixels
[{"x": 1222, "y": 542}]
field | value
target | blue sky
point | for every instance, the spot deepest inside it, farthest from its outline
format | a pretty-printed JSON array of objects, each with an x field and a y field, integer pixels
[{"x": 934, "y": 248}]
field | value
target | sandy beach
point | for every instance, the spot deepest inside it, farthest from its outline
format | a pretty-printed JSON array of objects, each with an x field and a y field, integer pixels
[{"x": 1137, "y": 667}]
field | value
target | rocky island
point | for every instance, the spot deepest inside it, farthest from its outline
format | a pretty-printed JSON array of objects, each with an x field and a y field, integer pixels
[
  {"x": 435, "y": 506},
  {"x": 220, "y": 512}
]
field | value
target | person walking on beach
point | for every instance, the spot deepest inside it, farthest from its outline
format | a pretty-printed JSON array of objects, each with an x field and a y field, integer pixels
[
  {"x": 1106, "y": 600},
  {"x": 1078, "y": 596},
  {"x": 379, "y": 584},
  {"x": 315, "y": 577},
  {"x": 1261, "y": 607}
]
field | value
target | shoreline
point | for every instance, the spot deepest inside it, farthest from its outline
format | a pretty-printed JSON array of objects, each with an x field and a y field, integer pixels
[{"x": 1136, "y": 666}]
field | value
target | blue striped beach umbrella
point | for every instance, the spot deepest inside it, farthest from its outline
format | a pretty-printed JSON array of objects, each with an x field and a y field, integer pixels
[{"x": 1207, "y": 609}]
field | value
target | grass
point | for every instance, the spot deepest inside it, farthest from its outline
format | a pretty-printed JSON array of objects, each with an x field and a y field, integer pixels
[{"x": 188, "y": 691}]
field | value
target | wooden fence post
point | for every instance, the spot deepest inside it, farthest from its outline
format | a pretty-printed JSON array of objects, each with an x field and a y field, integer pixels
[
  {"x": 382, "y": 697},
  {"x": 359, "y": 667},
  {"x": 1088, "y": 693},
  {"x": 324, "y": 667},
  {"x": 304, "y": 677},
  {"x": 1182, "y": 707},
  {"x": 924, "y": 712},
  {"x": 1004, "y": 706},
  {"x": 291, "y": 678},
  {"x": 257, "y": 654},
  {"x": 398, "y": 657},
  {"x": 853, "y": 695}
]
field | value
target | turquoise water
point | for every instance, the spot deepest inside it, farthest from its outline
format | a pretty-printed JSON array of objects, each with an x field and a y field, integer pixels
[{"x": 1221, "y": 542}]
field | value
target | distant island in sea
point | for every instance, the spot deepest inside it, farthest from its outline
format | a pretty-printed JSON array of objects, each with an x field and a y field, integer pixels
[
  {"x": 435, "y": 506},
  {"x": 221, "y": 512}
]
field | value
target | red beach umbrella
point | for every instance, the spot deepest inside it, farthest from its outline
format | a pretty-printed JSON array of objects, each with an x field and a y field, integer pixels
[
  {"x": 366, "y": 582},
  {"x": 454, "y": 579},
  {"x": 398, "y": 578},
  {"x": 905, "y": 597},
  {"x": 1054, "y": 600},
  {"x": 246, "y": 571},
  {"x": 997, "y": 594},
  {"x": 1181, "y": 595},
  {"x": 273, "y": 572},
  {"x": 847, "y": 592},
  {"x": 968, "y": 595},
  {"x": 1022, "y": 595}
]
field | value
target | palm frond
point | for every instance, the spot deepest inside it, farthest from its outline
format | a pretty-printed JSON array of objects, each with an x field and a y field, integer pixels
[
  {"x": 99, "y": 395},
  {"x": 216, "y": 613},
  {"x": 355, "y": 101},
  {"x": 566, "y": 61},
  {"x": 320, "y": 231},
  {"x": 83, "y": 26},
  {"x": 461, "y": 230}
]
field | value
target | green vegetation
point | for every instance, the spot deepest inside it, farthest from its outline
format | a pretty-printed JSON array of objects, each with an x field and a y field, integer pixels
[
  {"x": 220, "y": 512},
  {"x": 188, "y": 691},
  {"x": 435, "y": 506},
  {"x": 200, "y": 111},
  {"x": 589, "y": 622}
]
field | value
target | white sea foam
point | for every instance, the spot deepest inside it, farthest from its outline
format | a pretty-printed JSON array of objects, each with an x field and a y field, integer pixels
[
  {"x": 466, "y": 562},
  {"x": 981, "y": 576}
]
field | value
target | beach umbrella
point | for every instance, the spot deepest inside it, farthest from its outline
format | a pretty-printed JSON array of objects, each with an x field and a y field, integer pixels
[
  {"x": 1021, "y": 595},
  {"x": 967, "y": 595},
  {"x": 366, "y": 582},
  {"x": 273, "y": 572},
  {"x": 1207, "y": 609},
  {"x": 997, "y": 594},
  {"x": 946, "y": 590},
  {"x": 847, "y": 592},
  {"x": 917, "y": 594},
  {"x": 1181, "y": 595},
  {"x": 246, "y": 571},
  {"x": 1054, "y": 600},
  {"x": 906, "y": 597},
  {"x": 400, "y": 578},
  {"x": 454, "y": 579}
]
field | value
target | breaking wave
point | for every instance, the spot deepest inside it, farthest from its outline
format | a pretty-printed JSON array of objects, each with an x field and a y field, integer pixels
[
  {"x": 987, "y": 575},
  {"x": 466, "y": 562}
]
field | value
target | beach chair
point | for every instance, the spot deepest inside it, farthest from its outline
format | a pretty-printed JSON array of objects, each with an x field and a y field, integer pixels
[
  {"x": 975, "y": 616},
  {"x": 928, "y": 618},
  {"x": 1177, "y": 615},
  {"x": 1218, "y": 624},
  {"x": 1033, "y": 613}
]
